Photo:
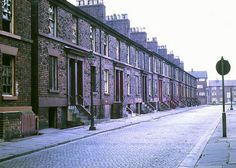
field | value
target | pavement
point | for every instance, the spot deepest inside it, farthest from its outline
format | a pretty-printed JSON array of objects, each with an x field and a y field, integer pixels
[
  {"x": 220, "y": 152},
  {"x": 212, "y": 151}
]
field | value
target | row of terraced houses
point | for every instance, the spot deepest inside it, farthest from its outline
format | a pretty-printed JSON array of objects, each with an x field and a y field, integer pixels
[{"x": 51, "y": 50}]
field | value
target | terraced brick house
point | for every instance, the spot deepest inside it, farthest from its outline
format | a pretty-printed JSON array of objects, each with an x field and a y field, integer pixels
[
  {"x": 202, "y": 88},
  {"x": 130, "y": 76},
  {"x": 215, "y": 91},
  {"x": 16, "y": 116}
]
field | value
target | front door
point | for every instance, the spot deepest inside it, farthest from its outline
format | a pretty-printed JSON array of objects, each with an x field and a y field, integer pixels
[
  {"x": 75, "y": 82},
  {"x": 144, "y": 88},
  {"x": 160, "y": 91},
  {"x": 119, "y": 85}
]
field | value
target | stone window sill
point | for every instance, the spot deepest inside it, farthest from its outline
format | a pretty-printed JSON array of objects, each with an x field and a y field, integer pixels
[
  {"x": 9, "y": 97},
  {"x": 54, "y": 91}
]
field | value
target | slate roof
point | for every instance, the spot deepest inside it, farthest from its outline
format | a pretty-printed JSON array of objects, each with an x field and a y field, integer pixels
[
  {"x": 199, "y": 74},
  {"x": 219, "y": 83}
]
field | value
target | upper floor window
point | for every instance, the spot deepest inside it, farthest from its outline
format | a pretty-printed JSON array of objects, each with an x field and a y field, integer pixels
[
  {"x": 128, "y": 54},
  {"x": 8, "y": 15},
  {"x": 163, "y": 68},
  {"x": 93, "y": 38},
  {"x": 52, "y": 20},
  {"x": 75, "y": 30},
  {"x": 149, "y": 64},
  {"x": 202, "y": 79},
  {"x": 105, "y": 44},
  {"x": 8, "y": 67},
  {"x": 154, "y": 65},
  {"x": 118, "y": 50},
  {"x": 136, "y": 58},
  {"x": 53, "y": 73},
  {"x": 144, "y": 61},
  {"x": 158, "y": 65}
]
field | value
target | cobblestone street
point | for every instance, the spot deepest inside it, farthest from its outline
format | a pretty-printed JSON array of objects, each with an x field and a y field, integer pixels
[{"x": 162, "y": 143}]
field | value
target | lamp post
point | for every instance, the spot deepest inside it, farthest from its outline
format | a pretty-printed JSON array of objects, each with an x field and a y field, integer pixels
[
  {"x": 231, "y": 99},
  {"x": 91, "y": 60}
]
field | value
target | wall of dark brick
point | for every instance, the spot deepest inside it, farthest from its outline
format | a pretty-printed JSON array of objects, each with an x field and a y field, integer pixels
[{"x": 23, "y": 59}]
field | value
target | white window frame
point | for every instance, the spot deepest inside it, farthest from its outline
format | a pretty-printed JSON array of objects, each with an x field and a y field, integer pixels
[
  {"x": 53, "y": 73},
  {"x": 106, "y": 81},
  {"x": 52, "y": 20}
]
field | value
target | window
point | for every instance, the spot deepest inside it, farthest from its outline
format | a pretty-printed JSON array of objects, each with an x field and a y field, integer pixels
[
  {"x": 93, "y": 78},
  {"x": 158, "y": 64},
  {"x": 213, "y": 93},
  {"x": 8, "y": 15},
  {"x": 128, "y": 85},
  {"x": 199, "y": 86},
  {"x": 118, "y": 50},
  {"x": 93, "y": 38},
  {"x": 136, "y": 58},
  {"x": 52, "y": 20},
  {"x": 144, "y": 61},
  {"x": 149, "y": 64},
  {"x": 137, "y": 85},
  {"x": 213, "y": 88},
  {"x": 150, "y": 87},
  {"x": 154, "y": 65},
  {"x": 201, "y": 79},
  {"x": 105, "y": 44},
  {"x": 75, "y": 30},
  {"x": 53, "y": 71},
  {"x": 163, "y": 68},
  {"x": 128, "y": 54},
  {"x": 106, "y": 81},
  {"x": 201, "y": 94},
  {"x": 8, "y": 83}
]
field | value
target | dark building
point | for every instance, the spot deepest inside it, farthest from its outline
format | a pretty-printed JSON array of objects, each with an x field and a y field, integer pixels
[
  {"x": 130, "y": 79},
  {"x": 215, "y": 91},
  {"x": 201, "y": 85},
  {"x": 15, "y": 69},
  {"x": 78, "y": 60}
]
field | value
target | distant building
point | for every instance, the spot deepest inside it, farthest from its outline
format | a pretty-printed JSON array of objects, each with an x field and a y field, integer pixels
[
  {"x": 215, "y": 91},
  {"x": 201, "y": 85}
]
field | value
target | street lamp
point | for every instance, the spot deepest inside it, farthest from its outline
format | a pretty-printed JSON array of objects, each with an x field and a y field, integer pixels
[
  {"x": 91, "y": 60},
  {"x": 231, "y": 99}
]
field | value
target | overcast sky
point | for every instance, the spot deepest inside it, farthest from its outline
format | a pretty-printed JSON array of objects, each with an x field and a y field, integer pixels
[{"x": 198, "y": 31}]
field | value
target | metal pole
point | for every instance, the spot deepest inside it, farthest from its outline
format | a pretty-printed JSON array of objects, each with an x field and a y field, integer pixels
[
  {"x": 92, "y": 127},
  {"x": 231, "y": 99},
  {"x": 223, "y": 99}
]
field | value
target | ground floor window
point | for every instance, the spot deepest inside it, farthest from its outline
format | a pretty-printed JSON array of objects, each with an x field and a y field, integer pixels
[{"x": 8, "y": 65}]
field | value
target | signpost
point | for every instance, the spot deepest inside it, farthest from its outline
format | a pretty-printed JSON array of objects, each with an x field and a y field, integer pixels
[{"x": 223, "y": 68}]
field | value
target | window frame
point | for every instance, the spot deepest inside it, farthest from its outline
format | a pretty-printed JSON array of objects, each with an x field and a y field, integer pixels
[
  {"x": 128, "y": 84},
  {"x": 53, "y": 74},
  {"x": 11, "y": 19},
  {"x": 75, "y": 33},
  {"x": 12, "y": 91},
  {"x": 52, "y": 20},
  {"x": 106, "y": 81},
  {"x": 106, "y": 44}
]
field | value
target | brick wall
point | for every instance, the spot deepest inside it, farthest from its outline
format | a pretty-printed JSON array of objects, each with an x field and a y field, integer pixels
[{"x": 16, "y": 124}]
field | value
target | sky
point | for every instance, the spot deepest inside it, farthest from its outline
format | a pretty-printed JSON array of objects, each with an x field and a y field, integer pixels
[{"x": 199, "y": 32}]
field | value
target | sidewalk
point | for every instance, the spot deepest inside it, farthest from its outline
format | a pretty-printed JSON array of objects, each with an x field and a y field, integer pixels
[
  {"x": 221, "y": 152},
  {"x": 53, "y": 137}
]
